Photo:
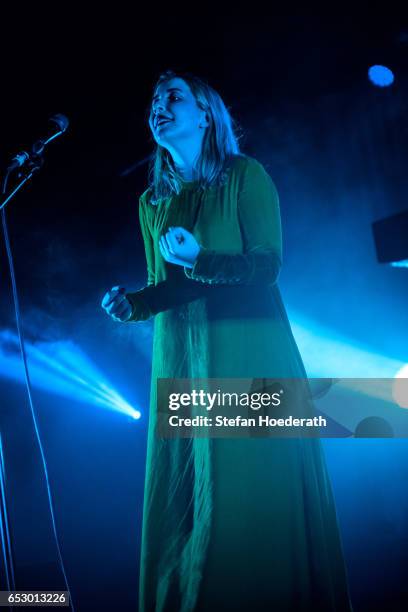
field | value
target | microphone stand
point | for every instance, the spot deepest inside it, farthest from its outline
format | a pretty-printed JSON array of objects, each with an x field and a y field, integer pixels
[
  {"x": 34, "y": 161},
  {"x": 4, "y": 523}
]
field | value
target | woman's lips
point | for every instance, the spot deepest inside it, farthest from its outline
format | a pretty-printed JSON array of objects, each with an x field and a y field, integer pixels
[{"x": 163, "y": 122}]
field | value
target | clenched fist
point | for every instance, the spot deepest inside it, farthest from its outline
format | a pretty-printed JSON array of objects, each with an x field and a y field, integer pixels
[
  {"x": 179, "y": 246},
  {"x": 117, "y": 305}
]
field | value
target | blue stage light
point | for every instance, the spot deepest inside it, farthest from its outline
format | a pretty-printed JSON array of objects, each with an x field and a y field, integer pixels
[
  {"x": 61, "y": 368},
  {"x": 380, "y": 76},
  {"x": 366, "y": 379},
  {"x": 400, "y": 264},
  {"x": 329, "y": 354}
]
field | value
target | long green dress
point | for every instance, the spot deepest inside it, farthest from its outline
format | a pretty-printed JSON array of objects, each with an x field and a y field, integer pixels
[{"x": 230, "y": 524}]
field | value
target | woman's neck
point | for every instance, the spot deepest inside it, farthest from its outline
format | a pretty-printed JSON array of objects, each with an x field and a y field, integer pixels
[
  {"x": 185, "y": 158},
  {"x": 186, "y": 172}
]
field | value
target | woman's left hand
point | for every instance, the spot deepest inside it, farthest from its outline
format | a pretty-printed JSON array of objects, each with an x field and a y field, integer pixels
[{"x": 179, "y": 247}]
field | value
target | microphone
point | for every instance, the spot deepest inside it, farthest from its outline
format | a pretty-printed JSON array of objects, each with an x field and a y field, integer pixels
[
  {"x": 62, "y": 123},
  {"x": 18, "y": 161},
  {"x": 61, "y": 120}
]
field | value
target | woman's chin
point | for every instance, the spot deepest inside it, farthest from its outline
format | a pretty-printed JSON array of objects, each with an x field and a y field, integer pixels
[{"x": 162, "y": 139}]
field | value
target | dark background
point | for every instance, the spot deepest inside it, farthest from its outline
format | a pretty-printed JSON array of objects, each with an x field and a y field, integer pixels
[{"x": 335, "y": 146}]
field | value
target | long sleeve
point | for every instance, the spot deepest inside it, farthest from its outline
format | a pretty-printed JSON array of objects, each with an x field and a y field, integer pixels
[
  {"x": 259, "y": 218},
  {"x": 164, "y": 295},
  {"x": 140, "y": 307}
]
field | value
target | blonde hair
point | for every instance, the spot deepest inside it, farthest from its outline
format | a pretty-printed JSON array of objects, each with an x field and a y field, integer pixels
[{"x": 220, "y": 143}]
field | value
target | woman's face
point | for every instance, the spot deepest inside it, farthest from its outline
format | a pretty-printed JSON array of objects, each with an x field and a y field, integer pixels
[{"x": 175, "y": 117}]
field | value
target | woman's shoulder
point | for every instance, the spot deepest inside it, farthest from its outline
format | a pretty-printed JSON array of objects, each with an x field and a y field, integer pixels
[
  {"x": 245, "y": 166},
  {"x": 242, "y": 163},
  {"x": 147, "y": 202},
  {"x": 146, "y": 196},
  {"x": 146, "y": 210}
]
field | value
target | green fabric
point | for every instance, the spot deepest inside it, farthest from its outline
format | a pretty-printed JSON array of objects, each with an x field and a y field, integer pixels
[{"x": 230, "y": 524}]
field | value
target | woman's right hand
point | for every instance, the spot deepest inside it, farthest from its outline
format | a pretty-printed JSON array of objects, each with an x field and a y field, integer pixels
[{"x": 116, "y": 304}]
